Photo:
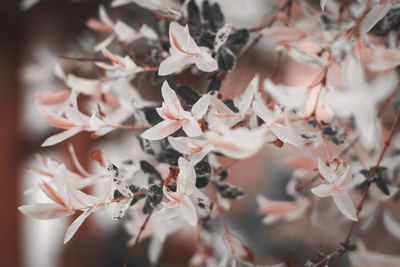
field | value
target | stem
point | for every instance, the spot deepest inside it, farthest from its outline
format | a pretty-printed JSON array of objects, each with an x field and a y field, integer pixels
[
  {"x": 132, "y": 249},
  {"x": 362, "y": 201}
]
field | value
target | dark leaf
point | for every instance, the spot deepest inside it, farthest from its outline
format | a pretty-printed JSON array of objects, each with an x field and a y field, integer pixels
[
  {"x": 193, "y": 12},
  {"x": 382, "y": 186},
  {"x": 226, "y": 59},
  {"x": 151, "y": 115},
  {"x": 170, "y": 156},
  {"x": 214, "y": 85},
  {"x": 238, "y": 39},
  {"x": 188, "y": 95},
  {"x": 207, "y": 39},
  {"x": 229, "y": 191},
  {"x": 149, "y": 169},
  {"x": 348, "y": 247},
  {"x": 229, "y": 103},
  {"x": 203, "y": 172},
  {"x": 213, "y": 14},
  {"x": 154, "y": 198}
]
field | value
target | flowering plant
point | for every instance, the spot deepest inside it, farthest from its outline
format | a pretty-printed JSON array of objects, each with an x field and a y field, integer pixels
[{"x": 337, "y": 132}]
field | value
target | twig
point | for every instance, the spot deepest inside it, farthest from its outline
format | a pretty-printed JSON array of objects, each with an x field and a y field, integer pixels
[
  {"x": 131, "y": 250},
  {"x": 362, "y": 201}
]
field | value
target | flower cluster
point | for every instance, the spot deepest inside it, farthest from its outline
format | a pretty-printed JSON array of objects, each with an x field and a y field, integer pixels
[{"x": 342, "y": 153}]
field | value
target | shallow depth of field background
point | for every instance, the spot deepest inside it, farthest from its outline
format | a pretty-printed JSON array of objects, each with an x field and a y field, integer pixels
[{"x": 29, "y": 44}]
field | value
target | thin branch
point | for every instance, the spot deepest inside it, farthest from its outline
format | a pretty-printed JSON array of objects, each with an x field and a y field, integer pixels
[
  {"x": 362, "y": 201},
  {"x": 132, "y": 249}
]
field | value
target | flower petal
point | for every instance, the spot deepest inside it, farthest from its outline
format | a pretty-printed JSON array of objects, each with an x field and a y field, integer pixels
[
  {"x": 188, "y": 210},
  {"x": 187, "y": 177},
  {"x": 57, "y": 138},
  {"x": 161, "y": 130},
  {"x": 326, "y": 172},
  {"x": 45, "y": 211},
  {"x": 201, "y": 106},
  {"x": 205, "y": 62},
  {"x": 76, "y": 224},
  {"x": 345, "y": 204},
  {"x": 323, "y": 190},
  {"x": 191, "y": 127}
]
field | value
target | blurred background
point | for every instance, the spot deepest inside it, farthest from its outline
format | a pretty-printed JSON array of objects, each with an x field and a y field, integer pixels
[{"x": 31, "y": 42}]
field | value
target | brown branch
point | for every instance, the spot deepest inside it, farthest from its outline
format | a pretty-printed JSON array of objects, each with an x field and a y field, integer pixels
[
  {"x": 364, "y": 196},
  {"x": 132, "y": 249}
]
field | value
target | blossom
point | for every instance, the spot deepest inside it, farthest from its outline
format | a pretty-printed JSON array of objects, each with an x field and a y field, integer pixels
[
  {"x": 276, "y": 210},
  {"x": 360, "y": 98},
  {"x": 184, "y": 51},
  {"x": 336, "y": 189},
  {"x": 67, "y": 200},
  {"x": 272, "y": 121},
  {"x": 300, "y": 98},
  {"x": 182, "y": 202},
  {"x": 176, "y": 117},
  {"x": 119, "y": 30},
  {"x": 235, "y": 143},
  {"x": 121, "y": 66}
]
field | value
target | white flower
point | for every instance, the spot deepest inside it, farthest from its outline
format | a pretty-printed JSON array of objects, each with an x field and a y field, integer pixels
[
  {"x": 67, "y": 200},
  {"x": 336, "y": 189},
  {"x": 184, "y": 51},
  {"x": 124, "y": 33},
  {"x": 183, "y": 201},
  {"x": 176, "y": 117},
  {"x": 273, "y": 120},
  {"x": 360, "y": 98},
  {"x": 236, "y": 143}
]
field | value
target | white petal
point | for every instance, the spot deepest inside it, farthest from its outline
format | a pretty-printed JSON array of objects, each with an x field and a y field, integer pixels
[
  {"x": 247, "y": 96},
  {"x": 191, "y": 127},
  {"x": 180, "y": 38},
  {"x": 262, "y": 111},
  {"x": 161, "y": 130},
  {"x": 57, "y": 138},
  {"x": 391, "y": 224},
  {"x": 179, "y": 144},
  {"x": 289, "y": 97},
  {"x": 382, "y": 86},
  {"x": 382, "y": 65},
  {"x": 155, "y": 249},
  {"x": 285, "y": 134},
  {"x": 76, "y": 224},
  {"x": 205, "y": 62},
  {"x": 373, "y": 16},
  {"x": 174, "y": 63},
  {"x": 186, "y": 178},
  {"x": 345, "y": 204},
  {"x": 353, "y": 74},
  {"x": 323, "y": 190},
  {"x": 341, "y": 103},
  {"x": 365, "y": 118},
  {"x": 326, "y": 172},
  {"x": 45, "y": 211},
  {"x": 188, "y": 210},
  {"x": 201, "y": 106}
]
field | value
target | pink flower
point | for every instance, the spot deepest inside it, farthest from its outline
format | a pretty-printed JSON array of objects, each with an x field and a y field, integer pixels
[
  {"x": 336, "y": 189},
  {"x": 184, "y": 51},
  {"x": 176, "y": 117},
  {"x": 119, "y": 30},
  {"x": 182, "y": 202},
  {"x": 235, "y": 143},
  {"x": 67, "y": 200}
]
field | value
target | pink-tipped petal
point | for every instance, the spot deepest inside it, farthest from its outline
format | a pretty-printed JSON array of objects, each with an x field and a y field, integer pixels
[
  {"x": 161, "y": 130},
  {"x": 345, "y": 204},
  {"x": 45, "y": 211},
  {"x": 201, "y": 106},
  {"x": 187, "y": 177}
]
